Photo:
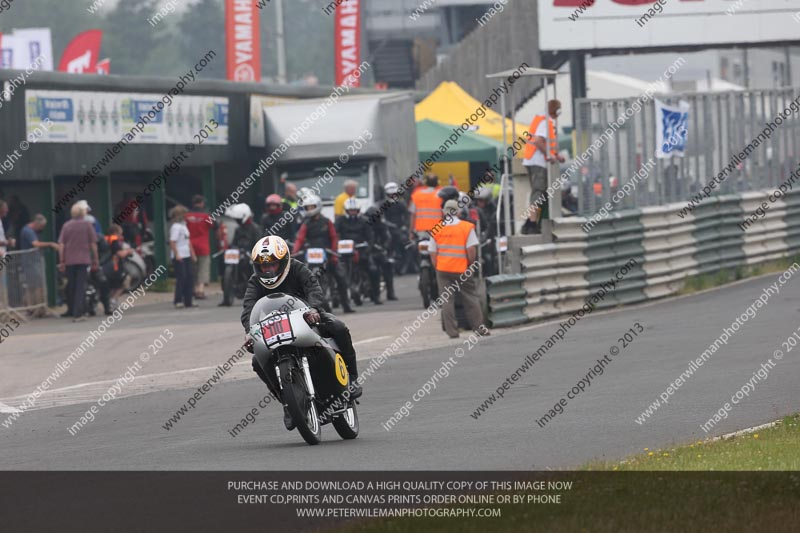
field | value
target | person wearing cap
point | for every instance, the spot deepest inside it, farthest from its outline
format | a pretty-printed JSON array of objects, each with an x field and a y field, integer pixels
[
  {"x": 350, "y": 188},
  {"x": 454, "y": 251}
]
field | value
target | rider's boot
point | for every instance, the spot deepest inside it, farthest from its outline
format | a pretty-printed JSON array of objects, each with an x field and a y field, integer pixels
[
  {"x": 288, "y": 421},
  {"x": 354, "y": 388}
]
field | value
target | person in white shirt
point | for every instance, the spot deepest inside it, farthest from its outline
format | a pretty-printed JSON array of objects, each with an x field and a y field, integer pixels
[
  {"x": 539, "y": 150},
  {"x": 182, "y": 257}
]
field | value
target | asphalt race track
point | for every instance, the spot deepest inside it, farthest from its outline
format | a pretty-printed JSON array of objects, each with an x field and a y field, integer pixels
[{"x": 439, "y": 433}]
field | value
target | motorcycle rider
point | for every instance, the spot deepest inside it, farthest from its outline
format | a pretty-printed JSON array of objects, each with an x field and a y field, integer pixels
[
  {"x": 276, "y": 271},
  {"x": 277, "y": 220},
  {"x": 354, "y": 227},
  {"x": 244, "y": 237},
  {"x": 247, "y": 233},
  {"x": 383, "y": 242},
  {"x": 320, "y": 232},
  {"x": 395, "y": 218},
  {"x": 396, "y": 210}
]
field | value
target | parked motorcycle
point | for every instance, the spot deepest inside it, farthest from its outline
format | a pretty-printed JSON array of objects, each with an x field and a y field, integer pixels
[
  {"x": 237, "y": 273},
  {"x": 135, "y": 268},
  {"x": 317, "y": 260},
  {"x": 311, "y": 374},
  {"x": 403, "y": 254},
  {"x": 356, "y": 269},
  {"x": 427, "y": 274}
]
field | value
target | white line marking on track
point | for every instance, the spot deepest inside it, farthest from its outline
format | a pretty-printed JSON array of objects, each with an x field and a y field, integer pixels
[
  {"x": 8, "y": 409},
  {"x": 746, "y": 431},
  {"x": 373, "y": 339}
]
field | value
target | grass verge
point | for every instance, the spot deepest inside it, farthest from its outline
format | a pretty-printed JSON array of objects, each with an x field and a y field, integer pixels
[{"x": 707, "y": 281}]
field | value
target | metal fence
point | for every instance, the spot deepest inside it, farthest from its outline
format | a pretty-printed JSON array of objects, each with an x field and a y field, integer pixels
[
  {"x": 720, "y": 126},
  {"x": 23, "y": 283}
]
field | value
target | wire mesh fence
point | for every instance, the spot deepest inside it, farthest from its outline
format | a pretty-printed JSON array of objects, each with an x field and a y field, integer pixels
[
  {"x": 720, "y": 126},
  {"x": 22, "y": 281}
]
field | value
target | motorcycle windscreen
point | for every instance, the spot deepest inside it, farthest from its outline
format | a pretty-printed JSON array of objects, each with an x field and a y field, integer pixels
[{"x": 278, "y": 301}]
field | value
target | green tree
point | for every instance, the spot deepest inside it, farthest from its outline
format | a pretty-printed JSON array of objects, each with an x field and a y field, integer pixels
[
  {"x": 136, "y": 48},
  {"x": 202, "y": 28}
]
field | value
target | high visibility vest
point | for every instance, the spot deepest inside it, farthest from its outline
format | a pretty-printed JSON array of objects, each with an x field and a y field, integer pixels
[
  {"x": 530, "y": 147},
  {"x": 451, "y": 247},
  {"x": 428, "y": 207},
  {"x": 111, "y": 239}
]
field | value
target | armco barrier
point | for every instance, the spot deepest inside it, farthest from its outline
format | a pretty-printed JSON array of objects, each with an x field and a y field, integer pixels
[{"x": 558, "y": 277}]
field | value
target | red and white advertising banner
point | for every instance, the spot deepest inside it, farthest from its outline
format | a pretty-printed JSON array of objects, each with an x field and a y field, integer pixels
[
  {"x": 81, "y": 55},
  {"x": 347, "y": 48},
  {"x": 242, "y": 40},
  {"x": 103, "y": 67}
]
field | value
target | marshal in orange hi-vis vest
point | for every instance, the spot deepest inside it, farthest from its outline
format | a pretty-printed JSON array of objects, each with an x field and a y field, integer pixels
[
  {"x": 428, "y": 207},
  {"x": 451, "y": 247},
  {"x": 530, "y": 147}
]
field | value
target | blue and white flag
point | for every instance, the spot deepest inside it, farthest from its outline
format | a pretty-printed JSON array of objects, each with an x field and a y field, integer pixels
[{"x": 672, "y": 129}]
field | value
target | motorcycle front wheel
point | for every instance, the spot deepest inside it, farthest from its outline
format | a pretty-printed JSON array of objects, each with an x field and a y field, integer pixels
[
  {"x": 302, "y": 408},
  {"x": 346, "y": 424}
]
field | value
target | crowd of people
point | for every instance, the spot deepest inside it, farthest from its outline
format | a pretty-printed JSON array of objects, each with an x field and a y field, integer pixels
[{"x": 88, "y": 256}]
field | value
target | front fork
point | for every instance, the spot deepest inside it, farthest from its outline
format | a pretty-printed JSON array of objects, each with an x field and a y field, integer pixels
[{"x": 306, "y": 374}]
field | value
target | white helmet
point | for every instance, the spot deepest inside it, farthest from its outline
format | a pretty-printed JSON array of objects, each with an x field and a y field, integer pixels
[
  {"x": 391, "y": 188},
  {"x": 351, "y": 204},
  {"x": 483, "y": 193},
  {"x": 239, "y": 212},
  {"x": 313, "y": 201},
  {"x": 271, "y": 261}
]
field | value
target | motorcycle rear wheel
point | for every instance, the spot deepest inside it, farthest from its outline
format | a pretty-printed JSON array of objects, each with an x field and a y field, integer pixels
[
  {"x": 425, "y": 287},
  {"x": 227, "y": 285},
  {"x": 346, "y": 425},
  {"x": 302, "y": 408}
]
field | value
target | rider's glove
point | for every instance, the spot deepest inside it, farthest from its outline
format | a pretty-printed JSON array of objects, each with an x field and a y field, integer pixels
[
  {"x": 312, "y": 317},
  {"x": 249, "y": 343}
]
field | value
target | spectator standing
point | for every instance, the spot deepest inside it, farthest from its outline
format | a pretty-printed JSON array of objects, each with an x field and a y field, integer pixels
[
  {"x": 183, "y": 255},
  {"x": 426, "y": 207},
  {"x": 200, "y": 225},
  {"x": 5, "y": 243},
  {"x": 290, "y": 196},
  {"x": 350, "y": 188},
  {"x": 454, "y": 249},
  {"x": 540, "y": 149},
  {"x": 29, "y": 236},
  {"x": 77, "y": 253}
]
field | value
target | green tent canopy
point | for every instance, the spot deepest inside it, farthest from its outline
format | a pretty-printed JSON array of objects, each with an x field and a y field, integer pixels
[{"x": 471, "y": 147}]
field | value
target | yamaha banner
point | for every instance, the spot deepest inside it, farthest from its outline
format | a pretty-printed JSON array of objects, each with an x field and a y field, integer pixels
[
  {"x": 242, "y": 41},
  {"x": 347, "y": 36}
]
